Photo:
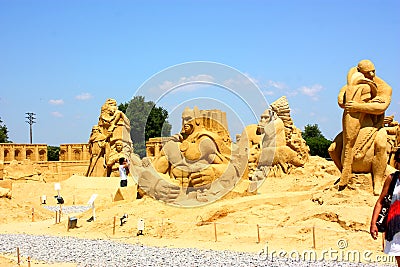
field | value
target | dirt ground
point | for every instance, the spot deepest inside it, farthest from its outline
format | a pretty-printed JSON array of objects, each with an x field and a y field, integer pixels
[{"x": 302, "y": 211}]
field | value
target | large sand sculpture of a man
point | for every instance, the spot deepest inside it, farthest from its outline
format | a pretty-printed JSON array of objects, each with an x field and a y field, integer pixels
[
  {"x": 196, "y": 160},
  {"x": 195, "y": 157},
  {"x": 361, "y": 147}
]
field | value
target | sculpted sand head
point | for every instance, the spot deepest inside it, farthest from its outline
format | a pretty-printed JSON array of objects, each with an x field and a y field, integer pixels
[
  {"x": 367, "y": 68},
  {"x": 96, "y": 131},
  {"x": 96, "y": 128},
  {"x": 188, "y": 120},
  {"x": 118, "y": 145},
  {"x": 109, "y": 108},
  {"x": 264, "y": 119}
]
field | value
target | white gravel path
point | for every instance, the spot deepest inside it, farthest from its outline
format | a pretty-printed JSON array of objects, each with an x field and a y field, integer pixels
[{"x": 96, "y": 253}]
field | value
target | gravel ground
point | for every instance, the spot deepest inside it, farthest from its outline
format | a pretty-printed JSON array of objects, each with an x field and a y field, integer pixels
[{"x": 96, "y": 253}]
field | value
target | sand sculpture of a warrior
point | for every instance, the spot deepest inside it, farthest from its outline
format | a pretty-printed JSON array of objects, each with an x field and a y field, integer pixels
[
  {"x": 110, "y": 137},
  {"x": 361, "y": 146}
]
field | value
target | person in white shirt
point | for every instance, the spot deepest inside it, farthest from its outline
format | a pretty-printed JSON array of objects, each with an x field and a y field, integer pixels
[{"x": 123, "y": 171}]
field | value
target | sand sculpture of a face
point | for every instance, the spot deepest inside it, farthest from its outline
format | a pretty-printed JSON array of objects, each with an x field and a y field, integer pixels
[
  {"x": 264, "y": 119},
  {"x": 118, "y": 146},
  {"x": 188, "y": 121}
]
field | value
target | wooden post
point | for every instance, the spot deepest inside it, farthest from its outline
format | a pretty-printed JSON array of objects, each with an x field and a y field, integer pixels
[
  {"x": 29, "y": 261},
  {"x": 18, "y": 257},
  {"x": 33, "y": 214},
  {"x": 215, "y": 231},
  {"x": 383, "y": 241},
  {"x": 115, "y": 220},
  {"x": 68, "y": 225},
  {"x": 73, "y": 202},
  {"x": 258, "y": 234},
  {"x": 59, "y": 214},
  {"x": 56, "y": 216},
  {"x": 313, "y": 237},
  {"x": 162, "y": 227}
]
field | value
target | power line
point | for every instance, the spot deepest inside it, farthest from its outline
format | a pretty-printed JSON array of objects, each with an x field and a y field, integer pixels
[{"x": 31, "y": 120}]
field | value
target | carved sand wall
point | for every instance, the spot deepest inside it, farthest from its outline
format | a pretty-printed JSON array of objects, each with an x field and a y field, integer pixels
[
  {"x": 19, "y": 152},
  {"x": 74, "y": 152}
]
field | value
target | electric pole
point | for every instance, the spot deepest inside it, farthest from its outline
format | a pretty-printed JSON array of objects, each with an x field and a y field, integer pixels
[{"x": 31, "y": 120}]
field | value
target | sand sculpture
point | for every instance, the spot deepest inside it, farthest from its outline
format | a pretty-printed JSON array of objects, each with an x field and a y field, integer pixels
[
  {"x": 109, "y": 139},
  {"x": 361, "y": 90},
  {"x": 362, "y": 145},
  {"x": 276, "y": 145},
  {"x": 196, "y": 156},
  {"x": 202, "y": 163},
  {"x": 392, "y": 128},
  {"x": 197, "y": 165},
  {"x": 97, "y": 150},
  {"x": 113, "y": 159}
]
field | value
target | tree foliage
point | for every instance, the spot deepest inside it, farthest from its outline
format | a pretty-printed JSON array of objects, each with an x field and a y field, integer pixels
[
  {"x": 315, "y": 140},
  {"x": 3, "y": 133},
  {"x": 123, "y": 106},
  {"x": 53, "y": 153},
  {"x": 147, "y": 121}
]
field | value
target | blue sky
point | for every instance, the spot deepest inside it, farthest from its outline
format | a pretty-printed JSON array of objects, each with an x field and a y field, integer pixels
[{"x": 63, "y": 59}]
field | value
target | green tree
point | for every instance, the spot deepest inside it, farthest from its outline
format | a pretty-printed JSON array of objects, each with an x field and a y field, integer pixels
[
  {"x": 123, "y": 106},
  {"x": 315, "y": 140},
  {"x": 53, "y": 153},
  {"x": 311, "y": 131},
  {"x": 3, "y": 133},
  {"x": 147, "y": 121}
]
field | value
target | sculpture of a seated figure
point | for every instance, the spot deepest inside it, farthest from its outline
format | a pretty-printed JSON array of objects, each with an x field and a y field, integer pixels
[
  {"x": 275, "y": 154},
  {"x": 195, "y": 157}
]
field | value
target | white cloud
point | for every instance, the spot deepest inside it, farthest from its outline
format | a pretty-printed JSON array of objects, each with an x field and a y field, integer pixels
[
  {"x": 311, "y": 91},
  {"x": 56, "y": 101},
  {"x": 84, "y": 96},
  {"x": 241, "y": 82},
  {"x": 277, "y": 85},
  {"x": 57, "y": 114},
  {"x": 292, "y": 93},
  {"x": 254, "y": 80},
  {"x": 167, "y": 85},
  {"x": 268, "y": 92}
]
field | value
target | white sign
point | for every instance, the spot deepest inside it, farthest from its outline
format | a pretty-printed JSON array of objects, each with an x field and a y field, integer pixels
[
  {"x": 140, "y": 224},
  {"x": 57, "y": 186},
  {"x": 92, "y": 199}
]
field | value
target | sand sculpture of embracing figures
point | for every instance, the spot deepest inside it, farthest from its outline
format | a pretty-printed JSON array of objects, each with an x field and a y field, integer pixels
[{"x": 362, "y": 145}]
